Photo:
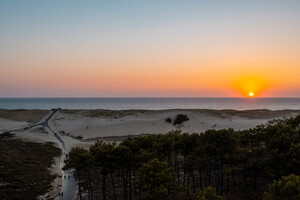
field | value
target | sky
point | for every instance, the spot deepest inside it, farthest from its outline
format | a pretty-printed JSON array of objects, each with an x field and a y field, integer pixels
[{"x": 149, "y": 48}]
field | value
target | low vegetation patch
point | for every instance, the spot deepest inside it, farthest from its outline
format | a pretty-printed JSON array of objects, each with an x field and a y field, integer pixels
[
  {"x": 169, "y": 120},
  {"x": 179, "y": 119},
  {"x": 79, "y": 137},
  {"x": 24, "y": 167}
]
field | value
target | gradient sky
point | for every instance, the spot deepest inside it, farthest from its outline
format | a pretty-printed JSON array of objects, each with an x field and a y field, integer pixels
[{"x": 154, "y": 48}]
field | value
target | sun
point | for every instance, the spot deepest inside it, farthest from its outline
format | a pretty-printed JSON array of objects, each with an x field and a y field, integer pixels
[
  {"x": 251, "y": 94},
  {"x": 251, "y": 86}
]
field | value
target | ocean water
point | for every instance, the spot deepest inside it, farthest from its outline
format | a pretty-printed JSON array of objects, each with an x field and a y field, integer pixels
[{"x": 151, "y": 103}]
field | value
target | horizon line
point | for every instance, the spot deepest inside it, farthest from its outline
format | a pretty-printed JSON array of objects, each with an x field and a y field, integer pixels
[{"x": 140, "y": 97}]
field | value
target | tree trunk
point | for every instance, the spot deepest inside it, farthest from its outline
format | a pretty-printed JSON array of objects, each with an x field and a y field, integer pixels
[
  {"x": 228, "y": 182},
  {"x": 177, "y": 168},
  {"x": 218, "y": 174},
  {"x": 104, "y": 186},
  {"x": 245, "y": 171},
  {"x": 255, "y": 179},
  {"x": 256, "y": 170},
  {"x": 222, "y": 182},
  {"x": 184, "y": 174},
  {"x": 113, "y": 186},
  {"x": 124, "y": 186},
  {"x": 188, "y": 186},
  {"x": 90, "y": 185},
  {"x": 233, "y": 179},
  {"x": 209, "y": 176},
  {"x": 221, "y": 177},
  {"x": 79, "y": 185},
  {"x": 200, "y": 177},
  {"x": 193, "y": 181},
  {"x": 134, "y": 180},
  {"x": 130, "y": 188}
]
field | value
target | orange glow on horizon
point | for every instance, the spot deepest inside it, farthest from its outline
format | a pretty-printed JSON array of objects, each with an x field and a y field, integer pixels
[{"x": 251, "y": 86}]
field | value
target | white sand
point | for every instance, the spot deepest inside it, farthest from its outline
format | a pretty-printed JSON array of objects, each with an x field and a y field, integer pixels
[
  {"x": 79, "y": 124},
  {"x": 6, "y": 124},
  {"x": 122, "y": 123},
  {"x": 35, "y": 136}
]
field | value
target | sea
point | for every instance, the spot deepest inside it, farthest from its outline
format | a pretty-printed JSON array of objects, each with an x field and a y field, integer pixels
[{"x": 151, "y": 103}]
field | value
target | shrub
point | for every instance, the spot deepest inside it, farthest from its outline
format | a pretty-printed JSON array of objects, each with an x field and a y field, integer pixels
[
  {"x": 209, "y": 193},
  {"x": 169, "y": 120},
  {"x": 180, "y": 119}
]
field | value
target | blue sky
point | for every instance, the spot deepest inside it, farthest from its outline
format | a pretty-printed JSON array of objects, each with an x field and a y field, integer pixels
[{"x": 84, "y": 38}]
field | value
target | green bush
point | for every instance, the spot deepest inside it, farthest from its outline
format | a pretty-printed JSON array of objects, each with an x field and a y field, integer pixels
[
  {"x": 286, "y": 188},
  {"x": 169, "y": 120},
  {"x": 180, "y": 119},
  {"x": 209, "y": 193}
]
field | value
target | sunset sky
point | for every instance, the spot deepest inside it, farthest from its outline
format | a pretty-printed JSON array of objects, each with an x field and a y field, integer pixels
[{"x": 154, "y": 48}]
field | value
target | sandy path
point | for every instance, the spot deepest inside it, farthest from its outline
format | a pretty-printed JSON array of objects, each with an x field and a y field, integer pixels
[{"x": 65, "y": 181}]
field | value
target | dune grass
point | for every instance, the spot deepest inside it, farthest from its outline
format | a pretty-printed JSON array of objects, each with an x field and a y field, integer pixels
[{"x": 24, "y": 168}]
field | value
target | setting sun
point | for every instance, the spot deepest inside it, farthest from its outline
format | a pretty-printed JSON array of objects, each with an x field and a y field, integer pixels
[{"x": 250, "y": 86}]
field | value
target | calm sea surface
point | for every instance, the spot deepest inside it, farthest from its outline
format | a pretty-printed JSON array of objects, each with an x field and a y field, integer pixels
[{"x": 151, "y": 103}]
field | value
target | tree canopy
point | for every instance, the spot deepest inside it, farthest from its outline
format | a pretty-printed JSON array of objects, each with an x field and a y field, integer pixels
[{"x": 236, "y": 164}]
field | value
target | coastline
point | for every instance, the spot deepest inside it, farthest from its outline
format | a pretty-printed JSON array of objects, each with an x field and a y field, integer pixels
[{"x": 115, "y": 103}]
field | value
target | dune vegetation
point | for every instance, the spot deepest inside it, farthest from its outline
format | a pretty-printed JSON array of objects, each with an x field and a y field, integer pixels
[{"x": 25, "y": 167}]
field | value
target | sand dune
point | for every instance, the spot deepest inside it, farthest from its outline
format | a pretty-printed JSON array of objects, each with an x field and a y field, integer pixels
[
  {"x": 102, "y": 123},
  {"x": 90, "y": 124}
]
